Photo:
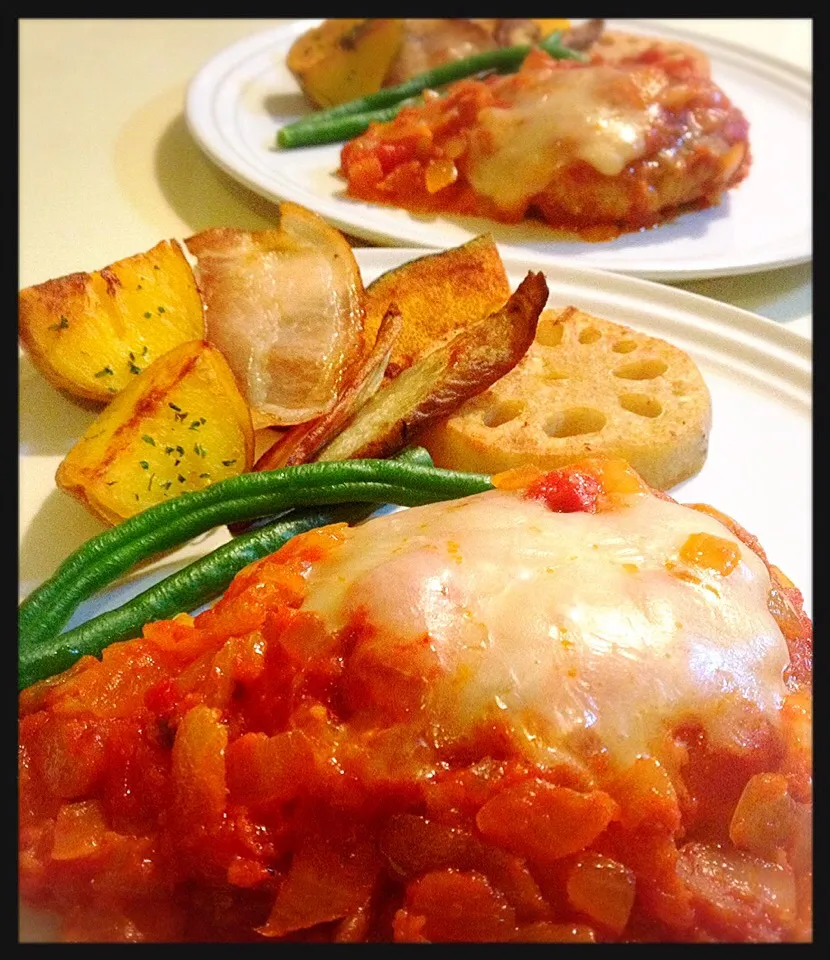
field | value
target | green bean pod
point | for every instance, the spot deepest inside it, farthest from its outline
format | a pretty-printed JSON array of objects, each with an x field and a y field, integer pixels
[
  {"x": 411, "y": 454},
  {"x": 246, "y": 497},
  {"x": 183, "y": 591},
  {"x": 337, "y": 129},
  {"x": 501, "y": 60}
]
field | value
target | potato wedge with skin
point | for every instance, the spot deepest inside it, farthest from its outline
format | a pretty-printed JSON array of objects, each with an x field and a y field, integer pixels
[
  {"x": 436, "y": 385},
  {"x": 551, "y": 25},
  {"x": 343, "y": 59},
  {"x": 91, "y": 334},
  {"x": 180, "y": 426},
  {"x": 437, "y": 294},
  {"x": 267, "y": 437},
  {"x": 301, "y": 443}
]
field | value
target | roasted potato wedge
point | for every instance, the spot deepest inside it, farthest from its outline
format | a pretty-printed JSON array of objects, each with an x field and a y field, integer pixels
[
  {"x": 266, "y": 437},
  {"x": 343, "y": 59},
  {"x": 438, "y": 383},
  {"x": 91, "y": 334},
  {"x": 550, "y": 25},
  {"x": 545, "y": 27},
  {"x": 299, "y": 444},
  {"x": 429, "y": 42},
  {"x": 179, "y": 426},
  {"x": 285, "y": 307},
  {"x": 437, "y": 295}
]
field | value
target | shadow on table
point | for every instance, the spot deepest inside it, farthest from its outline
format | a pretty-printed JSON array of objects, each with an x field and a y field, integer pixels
[
  {"x": 50, "y": 421},
  {"x": 60, "y": 527},
  {"x": 202, "y": 194}
]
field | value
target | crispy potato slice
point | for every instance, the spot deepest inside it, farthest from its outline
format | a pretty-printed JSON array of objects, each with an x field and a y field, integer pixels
[
  {"x": 437, "y": 295},
  {"x": 544, "y": 26},
  {"x": 436, "y": 385},
  {"x": 91, "y": 334},
  {"x": 181, "y": 425},
  {"x": 285, "y": 307},
  {"x": 343, "y": 59},
  {"x": 266, "y": 437},
  {"x": 299, "y": 444}
]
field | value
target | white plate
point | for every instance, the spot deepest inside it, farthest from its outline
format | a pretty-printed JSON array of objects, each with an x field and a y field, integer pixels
[
  {"x": 759, "y": 464},
  {"x": 758, "y": 470},
  {"x": 239, "y": 99}
]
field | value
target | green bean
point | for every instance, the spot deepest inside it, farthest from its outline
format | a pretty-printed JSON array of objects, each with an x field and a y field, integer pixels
[
  {"x": 183, "y": 591},
  {"x": 248, "y": 496},
  {"x": 337, "y": 129},
  {"x": 503, "y": 59},
  {"x": 411, "y": 454}
]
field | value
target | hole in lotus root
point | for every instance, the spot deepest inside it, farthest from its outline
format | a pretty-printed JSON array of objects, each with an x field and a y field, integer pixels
[
  {"x": 642, "y": 369},
  {"x": 502, "y": 413},
  {"x": 589, "y": 335},
  {"x": 624, "y": 346},
  {"x": 574, "y": 422},
  {"x": 642, "y": 405},
  {"x": 548, "y": 332}
]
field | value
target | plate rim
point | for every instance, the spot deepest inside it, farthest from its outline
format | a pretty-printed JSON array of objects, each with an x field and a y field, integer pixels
[
  {"x": 727, "y": 317},
  {"x": 214, "y": 143}
]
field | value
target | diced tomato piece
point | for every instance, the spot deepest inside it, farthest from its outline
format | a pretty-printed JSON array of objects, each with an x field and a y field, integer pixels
[
  {"x": 80, "y": 830},
  {"x": 647, "y": 796},
  {"x": 69, "y": 755},
  {"x": 460, "y": 906},
  {"x": 262, "y": 769},
  {"x": 329, "y": 878},
  {"x": 738, "y": 895},
  {"x": 652, "y": 855},
  {"x": 543, "y": 822},
  {"x": 764, "y": 818},
  {"x": 566, "y": 491}
]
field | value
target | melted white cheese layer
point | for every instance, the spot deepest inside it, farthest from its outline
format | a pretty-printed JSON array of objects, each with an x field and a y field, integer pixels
[
  {"x": 599, "y": 114},
  {"x": 570, "y": 618}
]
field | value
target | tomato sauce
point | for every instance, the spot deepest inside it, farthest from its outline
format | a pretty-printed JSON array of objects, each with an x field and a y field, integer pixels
[
  {"x": 696, "y": 147},
  {"x": 215, "y": 780}
]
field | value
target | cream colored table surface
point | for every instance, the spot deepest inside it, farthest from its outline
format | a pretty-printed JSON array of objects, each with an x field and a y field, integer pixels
[{"x": 108, "y": 168}]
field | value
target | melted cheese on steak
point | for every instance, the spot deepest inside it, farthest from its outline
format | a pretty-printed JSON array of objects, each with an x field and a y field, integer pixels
[
  {"x": 583, "y": 621},
  {"x": 600, "y": 115}
]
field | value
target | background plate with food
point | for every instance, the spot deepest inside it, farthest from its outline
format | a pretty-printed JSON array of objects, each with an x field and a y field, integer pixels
[{"x": 244, "y": 95}]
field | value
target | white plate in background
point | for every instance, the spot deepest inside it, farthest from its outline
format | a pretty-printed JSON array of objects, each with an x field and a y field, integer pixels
[{"x": 239, "y": 99}]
